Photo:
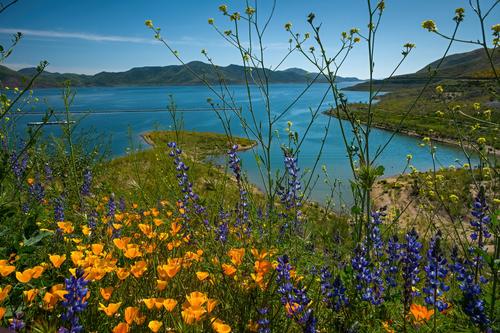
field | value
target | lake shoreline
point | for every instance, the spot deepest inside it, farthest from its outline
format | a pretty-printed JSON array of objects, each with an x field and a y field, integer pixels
[{"x": 414, "y": 134}]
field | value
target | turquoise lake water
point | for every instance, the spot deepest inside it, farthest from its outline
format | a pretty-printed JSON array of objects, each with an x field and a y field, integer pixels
[{"x": 147, "y": 99}]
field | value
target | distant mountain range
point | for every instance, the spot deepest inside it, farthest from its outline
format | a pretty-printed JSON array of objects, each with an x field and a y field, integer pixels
[
  {"x": 155, "y": 76},
  {"x": 473, "y": 65}
]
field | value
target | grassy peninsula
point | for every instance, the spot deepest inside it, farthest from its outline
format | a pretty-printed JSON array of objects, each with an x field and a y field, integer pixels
[{"x": 138, "y": 170}]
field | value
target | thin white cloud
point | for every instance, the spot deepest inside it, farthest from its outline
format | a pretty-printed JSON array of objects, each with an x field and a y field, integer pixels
[
  {"x": 185, "y": 40},
  {"x": 78, "y": 35}
]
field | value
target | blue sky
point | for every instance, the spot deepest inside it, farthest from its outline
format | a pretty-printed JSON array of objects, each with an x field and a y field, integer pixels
[{"x": 89, "y": 36}]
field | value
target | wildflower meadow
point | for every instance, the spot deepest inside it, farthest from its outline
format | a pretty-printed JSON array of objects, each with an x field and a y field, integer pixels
[{"x": 176, "y": 238}]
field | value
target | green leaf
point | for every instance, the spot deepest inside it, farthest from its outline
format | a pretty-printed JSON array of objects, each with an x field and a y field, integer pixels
[
  {"x": 37, "y": 238},
  {"x": 379, "y": 171},
  {"x": 355, "y": 210}
]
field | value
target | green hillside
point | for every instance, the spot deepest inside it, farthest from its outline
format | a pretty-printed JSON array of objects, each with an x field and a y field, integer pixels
[
  {"x": 157, "y": 76},
  {"x": 473, "y": 65}
]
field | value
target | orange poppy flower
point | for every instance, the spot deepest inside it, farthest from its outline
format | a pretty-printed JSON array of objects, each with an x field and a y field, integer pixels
[
  {"x": 106, "y": 292},
  {"x": 420, "y": 312},
  {"x": 172, "y": 268},
  {"x": 219, "y": 326},
  {"x": 155, "y": 212},
  {"x": 131, "y": 313},
  {"x": 76, "y": 256},
  {"x": 259, "y": 280},
  {"x": 121, "y": 243},
  {"x": 66, "y": 227},
  {"x": 175, "y": 228},
  {"x": 147, "y": 230},
  {"x": 158, "y": 222},
  {"x": 262, "y": 266},
  {"x": 155, "y": 325},
  {"x": 191, "y": 314},
  {"x": 196, "y": 299},
  {"x": 86, "y": 230},
  {"x": 25, "y": 276},
  {"x": 57, "y": 260},
  {"x": 202, "y": 275},
  {"x": 259, "y": 255},
  {"x": 6, "y": 270},
  {"x": 110, "y": 309},
  {"x": 30, "y": 295},
  {"x": 236, "y": 255},
  {"x": 169, "y": 304},
  {"x": 139, "y": 268},
  {"x": 122, "y": 273},
  {"x": 132, "y": 251},
  {"x": 173, "y": 245},
  {"x": 211, "y": 304},
  {"x": 159, "y": 302},
  {"x": 229, "y": 270},
  {"x": 121, "y": 328},
  {"x": 2, "y": 312},
  {"x": 97, "y": 248},
  {"x": 37, "y": 271},
  {"x": 50, "y": 300},
  {"x": 161, "y": 284},
  {"x": 149, "y": 302},
  {"x": 4, "y": 292}
]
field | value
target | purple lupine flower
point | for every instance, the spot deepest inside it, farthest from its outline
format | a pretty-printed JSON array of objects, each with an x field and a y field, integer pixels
[
  {"x": 436, "y": 271},
  {"x": 222, "y": 231},
  {"x": 188, "y": 195},
  {"x": 368, "y": 276},
  {"x": 111, "y": 206},
  {"x": 264, "y": 321},
  {"x": 333, "y": 294},
  {"x": 59, "y": 209},
  {"x": 92, "y": 220},
  {"x": 410, "y": 261},
  {"x": 472, "y": 303},
  {"x": 290, "y": 194},
  {"x": 36, "y": 190},
  {"x": 468, "y": 271},
  {"x": 25, "y": 208},
  {"x": 480, "y": 223},
  {"x": 87, "y": 183},
  {"x": 74, "y": 302},
  {"x": 19, "y": 164},
  {"x": 242, "y": 215},
  {"x": 391, "y": 265},
  {"x": 374, "y": 235},
  {"x": 295, "y": 299},
  {"x": 17, "y": 323}
]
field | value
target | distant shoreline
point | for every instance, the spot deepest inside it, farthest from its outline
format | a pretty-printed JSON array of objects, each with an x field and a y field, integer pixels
[
  {"x": 195, "y": 84},
  {"x": 410, "y": 133}
]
